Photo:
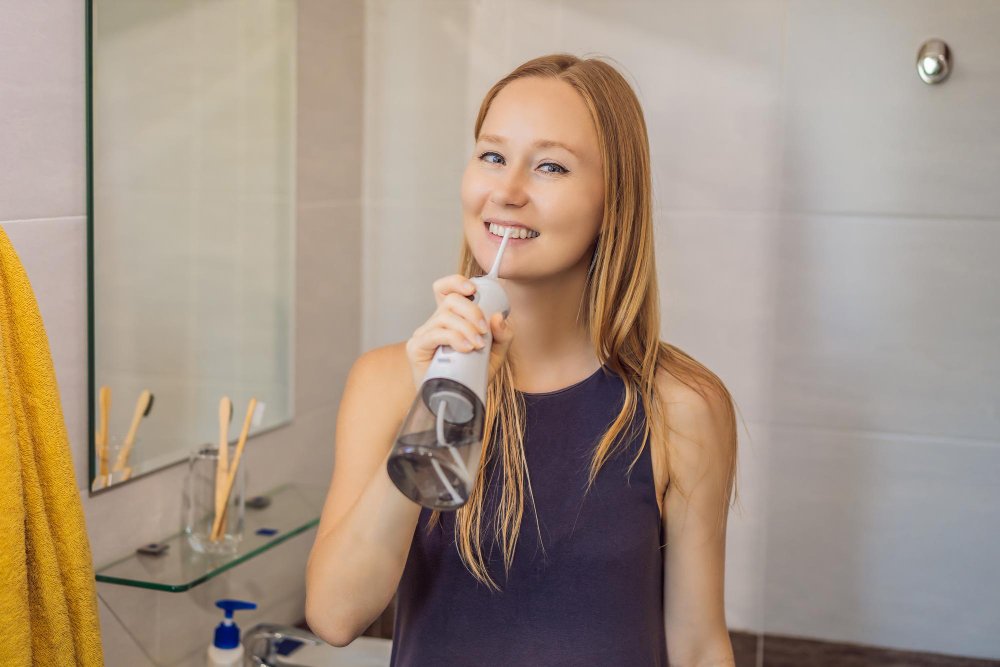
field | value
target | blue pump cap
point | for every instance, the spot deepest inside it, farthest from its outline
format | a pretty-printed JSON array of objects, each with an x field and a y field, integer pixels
[{"x": 227, "y": 633}]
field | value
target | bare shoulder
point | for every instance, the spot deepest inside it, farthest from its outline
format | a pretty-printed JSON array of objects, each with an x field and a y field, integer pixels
[
  {"x": 380, "y": 376},
  {"x": 393, "y": 354},
  {"x": 693, "y": 404},
  {"x": 386, "y": 371},
  {"x": 700, "y": 419}
]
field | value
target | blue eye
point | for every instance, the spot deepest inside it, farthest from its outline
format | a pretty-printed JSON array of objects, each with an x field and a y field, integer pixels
[{"x": 559, "y": 169}]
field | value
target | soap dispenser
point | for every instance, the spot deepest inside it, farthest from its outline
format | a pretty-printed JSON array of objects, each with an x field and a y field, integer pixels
[{"x": 226, "y": 650}]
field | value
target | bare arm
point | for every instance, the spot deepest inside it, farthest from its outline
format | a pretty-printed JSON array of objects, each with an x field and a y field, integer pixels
[
  {"x": 701, "y": 442},
  {"x": 367, "y": 524}
]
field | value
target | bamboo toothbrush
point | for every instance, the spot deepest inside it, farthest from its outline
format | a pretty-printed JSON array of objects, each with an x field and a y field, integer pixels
[
  {"x": 102, "y": 435},
  {"x": 222, "y": 464},
  {"x": 220, "y": 517},
  {"x": 142, "y": 409}
]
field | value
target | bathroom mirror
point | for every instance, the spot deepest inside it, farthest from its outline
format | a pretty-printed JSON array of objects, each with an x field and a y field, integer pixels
[{"x": 191, "y": 212}]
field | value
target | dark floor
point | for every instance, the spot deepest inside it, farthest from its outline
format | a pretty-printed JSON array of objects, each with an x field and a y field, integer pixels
[
  {"x": 797, "y": 652},
  {"x": 744, "y": 648}
]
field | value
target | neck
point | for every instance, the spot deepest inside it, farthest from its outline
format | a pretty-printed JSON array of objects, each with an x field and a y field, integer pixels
[{"x": 551, "y": 345}]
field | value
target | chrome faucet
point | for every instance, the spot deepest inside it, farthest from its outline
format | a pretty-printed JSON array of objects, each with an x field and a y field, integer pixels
[{"x": 259, "y": 644}]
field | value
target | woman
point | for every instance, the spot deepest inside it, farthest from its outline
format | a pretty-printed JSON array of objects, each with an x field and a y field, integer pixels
[{"x": 564, "y": 554}]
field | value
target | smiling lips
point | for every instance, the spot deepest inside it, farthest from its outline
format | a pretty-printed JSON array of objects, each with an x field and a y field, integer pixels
[{"x": 519, "y": 233}]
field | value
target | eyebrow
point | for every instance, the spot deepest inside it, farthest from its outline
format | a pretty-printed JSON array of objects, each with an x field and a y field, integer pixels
[{"x": 541, "y": 143}]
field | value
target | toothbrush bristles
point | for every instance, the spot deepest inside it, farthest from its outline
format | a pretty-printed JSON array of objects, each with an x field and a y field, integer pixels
[{"x": 495, "y": 270}]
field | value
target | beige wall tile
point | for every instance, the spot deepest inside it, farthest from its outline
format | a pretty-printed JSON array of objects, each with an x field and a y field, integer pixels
[
  {"x": 328, "y": 333},
  {"x": 407, "y": 248},
  {"x": 888, "y": 325},
  {"x": 415, "y": 128},
  {"x": 717, "y": 277},
  {"x": 863, "y": 133},
  {"x": 880, "y": 539},
  {"x": 43, "y": 172},
  {"x": 330, "y": 84}
]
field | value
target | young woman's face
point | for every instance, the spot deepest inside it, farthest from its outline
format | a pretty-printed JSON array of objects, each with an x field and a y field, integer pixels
[{"x": 537, "y": 164}]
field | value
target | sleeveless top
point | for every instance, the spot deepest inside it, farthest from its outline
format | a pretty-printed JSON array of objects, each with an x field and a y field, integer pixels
[{"x": 594, "y": 597}]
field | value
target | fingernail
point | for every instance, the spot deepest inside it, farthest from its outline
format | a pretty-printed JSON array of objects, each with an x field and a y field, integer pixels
[
  {"x": 479, "y": 339},
  {"x": 468, "y": 285},
  {"x": 483, "y": 326}
]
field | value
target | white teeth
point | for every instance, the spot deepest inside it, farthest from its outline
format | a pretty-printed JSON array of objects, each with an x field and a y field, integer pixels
[{"x": 518, "y": 232}]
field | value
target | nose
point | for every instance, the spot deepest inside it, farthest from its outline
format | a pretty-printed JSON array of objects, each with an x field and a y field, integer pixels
[{"x": 509, "y": 189}]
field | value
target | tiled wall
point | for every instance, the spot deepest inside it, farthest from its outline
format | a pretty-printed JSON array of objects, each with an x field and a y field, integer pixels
[
  {"x": 42, "y": 208},
  {"x": 885, "y": 436},
  {"x": 826, "y": 232}
]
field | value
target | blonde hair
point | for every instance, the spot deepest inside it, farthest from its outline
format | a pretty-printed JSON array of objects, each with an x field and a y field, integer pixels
[{"x": 621, "y": 311}]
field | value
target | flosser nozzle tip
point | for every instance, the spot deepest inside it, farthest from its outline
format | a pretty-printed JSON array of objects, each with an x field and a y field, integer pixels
[{"x": 495, "y": 270}]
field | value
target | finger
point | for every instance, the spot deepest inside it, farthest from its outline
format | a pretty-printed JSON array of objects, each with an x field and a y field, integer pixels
[
  {"x": 427, "y": 326},
  {"x": 452, "y": 320},
  {"x": 470, "y": 311},
  {"x": 455, "y": 283},
  {"x": 423, "y": 328},
  {"x": 442, "y": 336}
]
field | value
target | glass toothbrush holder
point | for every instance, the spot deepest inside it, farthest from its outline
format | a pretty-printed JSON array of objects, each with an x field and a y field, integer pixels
[
  {"x": 198, "y": 507},
  {"x": 110, "y": 471}
]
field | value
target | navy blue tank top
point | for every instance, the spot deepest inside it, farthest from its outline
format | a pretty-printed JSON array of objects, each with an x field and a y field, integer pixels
[{"x": 595, "y": 597}]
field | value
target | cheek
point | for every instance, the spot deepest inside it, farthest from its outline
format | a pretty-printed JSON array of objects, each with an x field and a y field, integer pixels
[
  {"x": 592, "y": 201},
  {"x": 590, "y": 211},
  {"x": 474, "y": 192},
  {"x": 473, "y": 195},
  {"x": 576, "y": 212},
  {"x": 468, "y": 199}
]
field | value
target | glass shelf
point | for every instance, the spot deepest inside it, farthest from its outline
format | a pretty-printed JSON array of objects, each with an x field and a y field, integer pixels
[{"x": 294, "y": 509}]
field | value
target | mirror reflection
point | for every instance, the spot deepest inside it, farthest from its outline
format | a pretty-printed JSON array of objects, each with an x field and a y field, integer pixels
[{"x": 192, "y": 228}]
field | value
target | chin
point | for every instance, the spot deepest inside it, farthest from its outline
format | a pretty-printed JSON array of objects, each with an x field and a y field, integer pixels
[
  {"x": 483, "y": 252},
  {"x": 485, "y": 261}
]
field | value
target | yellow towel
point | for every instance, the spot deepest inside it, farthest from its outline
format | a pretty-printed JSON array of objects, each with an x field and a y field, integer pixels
[{"x": 48, "y": 601}]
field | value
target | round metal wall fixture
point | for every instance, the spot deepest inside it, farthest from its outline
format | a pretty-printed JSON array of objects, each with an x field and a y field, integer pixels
[{"x": 934, "y": 61}]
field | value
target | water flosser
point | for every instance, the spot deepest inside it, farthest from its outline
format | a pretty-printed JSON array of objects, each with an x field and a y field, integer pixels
[{"x": 436, "y": 455}]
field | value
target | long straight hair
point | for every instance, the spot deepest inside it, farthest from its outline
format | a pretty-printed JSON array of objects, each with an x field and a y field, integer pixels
[{"x": 620, "y": 307}]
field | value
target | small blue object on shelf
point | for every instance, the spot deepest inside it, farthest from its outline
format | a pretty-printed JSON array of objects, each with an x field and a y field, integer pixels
[
  {"x": 287, "y": 646},
  {"x": 267, "y": 532}
]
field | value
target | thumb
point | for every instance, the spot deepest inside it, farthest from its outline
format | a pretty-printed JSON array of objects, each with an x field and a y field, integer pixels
[{"x": 502, "y": 330}]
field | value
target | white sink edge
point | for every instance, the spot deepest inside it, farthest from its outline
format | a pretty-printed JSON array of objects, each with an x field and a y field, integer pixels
[{"x": 362, "y": 652}]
